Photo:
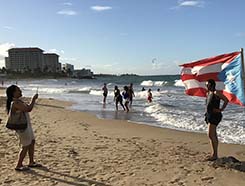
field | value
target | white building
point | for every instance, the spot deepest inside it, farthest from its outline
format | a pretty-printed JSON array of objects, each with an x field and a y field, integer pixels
[
  {"x": 51, "y": 62},
  {"x": 83, "y": 73},
  {"x": 68, "y": 66},
  {"x": 25, "y": 59}
]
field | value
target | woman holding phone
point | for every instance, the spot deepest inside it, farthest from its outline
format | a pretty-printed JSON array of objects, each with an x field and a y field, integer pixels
[{"x": 26, "y": 137}]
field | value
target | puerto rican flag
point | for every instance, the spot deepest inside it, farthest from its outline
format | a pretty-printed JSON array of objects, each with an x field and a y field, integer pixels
[{"x": 225, "y": 69}]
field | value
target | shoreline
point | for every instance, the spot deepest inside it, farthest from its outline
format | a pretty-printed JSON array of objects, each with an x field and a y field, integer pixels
[
  {"x": 109, "y": 116},
  {"x": 164, "y": 111},
  {"x": 77, "y": 148}
]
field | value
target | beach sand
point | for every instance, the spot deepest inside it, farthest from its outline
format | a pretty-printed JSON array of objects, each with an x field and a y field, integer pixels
[{"x": 76, "y": 148}]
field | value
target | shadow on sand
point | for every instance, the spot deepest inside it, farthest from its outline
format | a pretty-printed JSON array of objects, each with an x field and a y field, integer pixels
[
  {"x": 46, "y": 105},
  {"x": 64, "y": 178},
  {"x": 230, "y": 163}
]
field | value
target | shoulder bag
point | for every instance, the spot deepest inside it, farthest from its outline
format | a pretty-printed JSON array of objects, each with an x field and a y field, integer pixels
[{"x": 16, "y": 120}]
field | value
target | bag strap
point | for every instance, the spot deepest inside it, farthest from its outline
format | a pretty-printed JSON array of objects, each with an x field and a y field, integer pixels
[
  {"x": 10, "y": 109},
  {"x": 11, "y": 112}
]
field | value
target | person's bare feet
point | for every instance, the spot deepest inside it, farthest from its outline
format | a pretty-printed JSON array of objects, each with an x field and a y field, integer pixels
[
  {"x": 34, "y": 165},
  {"x": 22, "y": 168},
  {"x": 211, "y": 158}
]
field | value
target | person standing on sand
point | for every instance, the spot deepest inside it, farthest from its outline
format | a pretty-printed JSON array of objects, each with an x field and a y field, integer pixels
[
  {"x": 26, "y": 137},
  {"x": 126, "y": 97},
  {"x": 131, "y": 94},
  {"x": 105, "y": 92},
  {"x": 118, "y": 98},
  {"x": 213, "y": 115}
]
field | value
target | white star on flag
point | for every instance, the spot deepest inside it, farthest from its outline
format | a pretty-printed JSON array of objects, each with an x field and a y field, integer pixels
[{"x": 231, "y": 78}]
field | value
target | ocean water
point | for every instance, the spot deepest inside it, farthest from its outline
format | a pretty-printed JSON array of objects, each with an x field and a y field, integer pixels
[{"x": 170, "y": 108}]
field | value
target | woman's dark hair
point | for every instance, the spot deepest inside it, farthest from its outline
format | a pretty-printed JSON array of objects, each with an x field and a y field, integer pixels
[
  {"x": 212, "y": 84},
  {"x": 116, "y": 87},
  {"x": 10, "y": 94},
  {"x": 125, "y": 88}
]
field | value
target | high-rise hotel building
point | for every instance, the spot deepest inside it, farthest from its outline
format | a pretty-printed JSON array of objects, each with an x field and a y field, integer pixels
[
  {"x": 31, "y": 59},
  {"x": 51, "y": 63},
  {"x": 23, "y": 59}
]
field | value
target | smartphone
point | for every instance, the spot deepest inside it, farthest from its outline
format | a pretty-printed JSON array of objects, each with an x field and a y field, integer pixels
[{"x": 37, "y": 91}]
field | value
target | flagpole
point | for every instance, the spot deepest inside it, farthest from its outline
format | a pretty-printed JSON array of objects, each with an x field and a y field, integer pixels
[{"x": 243, "y": 70}]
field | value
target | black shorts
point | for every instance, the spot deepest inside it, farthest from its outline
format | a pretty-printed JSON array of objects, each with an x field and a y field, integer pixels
[
  {"x": 213, "y": 118},
  {"x": 105, "y": 94},
  {"x": 119, "y": 99}
]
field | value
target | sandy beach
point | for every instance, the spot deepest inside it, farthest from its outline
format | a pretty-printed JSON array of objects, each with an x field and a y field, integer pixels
[{"x": 76, "y": 148}]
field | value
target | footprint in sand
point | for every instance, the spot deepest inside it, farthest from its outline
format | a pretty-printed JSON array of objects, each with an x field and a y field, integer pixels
[{"x": 86, "y": 125}]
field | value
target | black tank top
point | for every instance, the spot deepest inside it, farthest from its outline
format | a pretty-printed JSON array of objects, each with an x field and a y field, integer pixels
[
  {"x": 117, "y": 93},
  {"x": 213, "y": 101}
]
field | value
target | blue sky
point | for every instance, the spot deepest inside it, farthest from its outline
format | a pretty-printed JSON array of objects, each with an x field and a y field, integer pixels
[{"x": 124, "y": 36}]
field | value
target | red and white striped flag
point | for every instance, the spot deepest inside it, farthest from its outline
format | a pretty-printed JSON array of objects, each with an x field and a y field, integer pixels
[{"x": 224, "y": 69}]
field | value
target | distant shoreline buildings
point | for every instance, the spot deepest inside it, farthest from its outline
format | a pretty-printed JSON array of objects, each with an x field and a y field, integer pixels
[{"x": 34, "y": 60}]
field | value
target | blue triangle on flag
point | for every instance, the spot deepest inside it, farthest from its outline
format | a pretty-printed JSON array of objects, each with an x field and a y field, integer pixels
[{"x": 231, "y": 75}]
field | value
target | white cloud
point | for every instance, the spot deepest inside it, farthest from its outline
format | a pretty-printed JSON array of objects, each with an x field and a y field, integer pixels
[
  {"x": 67, "y": 60},
  {"x": 67, "y": 4},
  {"x": 53, "y": 50},
  {"x": 189, "y": 3},
  {"x": 67, "y": 12},
  {"x": 4, "y": 48},
  {"x": 8, "y": 27},
  {"x": 4, "y": 52},
  {"x": 100, "y": 8}
]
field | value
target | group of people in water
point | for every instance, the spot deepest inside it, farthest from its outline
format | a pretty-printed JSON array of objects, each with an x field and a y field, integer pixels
[
  {"x": 14, "y": 104},
  {"x": 127, "y": 95}
]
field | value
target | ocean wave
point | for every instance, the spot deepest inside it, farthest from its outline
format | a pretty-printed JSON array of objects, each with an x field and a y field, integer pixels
[
  {"x": 153, "y": 83},
  {"x": 58, "y": 90},
  {"x": 179, "y": 83},
  {"x": 85, "y": 90},
  {"x": 34, "y": 85},
  {"x": 171, "y": 118},
  {"x": 167, "y": 117},
  {"x": 49, "y": 90},
  {"x": 100, "y": 93},
  {"x": 141, "y": 94}
]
